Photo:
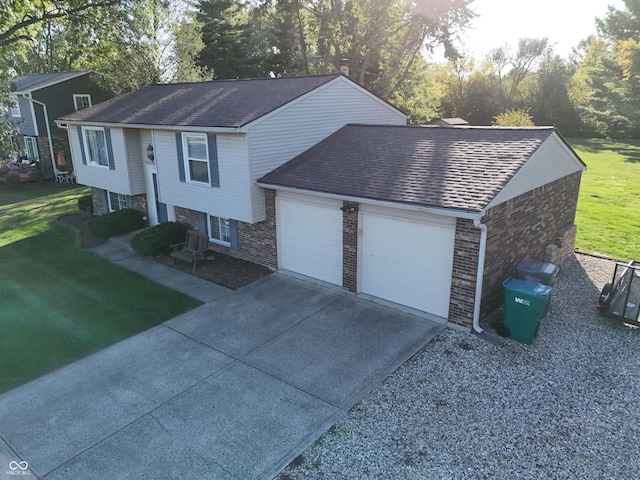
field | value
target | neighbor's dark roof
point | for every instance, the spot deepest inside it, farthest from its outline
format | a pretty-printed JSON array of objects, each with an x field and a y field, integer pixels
[
  {"x": 219, "y": 103},
  {"x": 34, "y": 82},
  {"x": 460, "y": 168}
]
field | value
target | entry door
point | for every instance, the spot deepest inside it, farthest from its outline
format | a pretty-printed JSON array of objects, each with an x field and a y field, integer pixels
[{"x": 158, "y": 211}]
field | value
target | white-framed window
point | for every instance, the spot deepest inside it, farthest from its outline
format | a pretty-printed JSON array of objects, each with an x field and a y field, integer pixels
[
  {"x": 15, "y": 106},
  {"x": 196, "y": 158},
  {"x": 95, "y": 146},
  {"x": 219, "y": 230},
  {"x": 81, "y": 101},
  {"x": 31, "y": 146},
  {"x": 117, "y": 201}
]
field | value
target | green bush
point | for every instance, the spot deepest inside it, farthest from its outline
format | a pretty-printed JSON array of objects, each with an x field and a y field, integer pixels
[
  {"x": 85, "y": 204},
  {"x": 12, "y": 180},
  {"x": 38, "y": 176},
  {"x": 116, "y": 223},
  {"x": 158, "y": 240}
]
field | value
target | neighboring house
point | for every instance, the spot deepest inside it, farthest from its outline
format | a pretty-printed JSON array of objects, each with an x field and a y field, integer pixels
[
  {"x": 38, "y": 100},
  {"x": 400, "y": 212},
  {"x": 317, "y": 176}
]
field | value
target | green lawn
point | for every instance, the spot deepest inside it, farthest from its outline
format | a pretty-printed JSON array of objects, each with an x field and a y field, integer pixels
[
  {"x": 59, "y": 302},
  {"x": 608, "y": 216}
]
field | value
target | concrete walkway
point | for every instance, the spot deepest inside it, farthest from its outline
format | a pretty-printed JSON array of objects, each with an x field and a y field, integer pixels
[{"x": 234, "y": 389}]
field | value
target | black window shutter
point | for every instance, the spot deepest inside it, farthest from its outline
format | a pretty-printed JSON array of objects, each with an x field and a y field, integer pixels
[
  {"x": 180, "y": 152},
  {"x": 233, "y": 233},
  {"x": 107, "y": 137},
  {"x": 213, "y": 160},
  {"x": 81, "y": 138}
]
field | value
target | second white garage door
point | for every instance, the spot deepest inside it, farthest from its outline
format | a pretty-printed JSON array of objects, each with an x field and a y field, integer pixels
[
  {"x": 408, "y": 261},
  {"x": 310, "y": 237}
]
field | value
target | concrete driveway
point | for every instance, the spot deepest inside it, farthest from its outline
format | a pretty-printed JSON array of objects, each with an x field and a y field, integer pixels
[{"x": 234, "y": 389}]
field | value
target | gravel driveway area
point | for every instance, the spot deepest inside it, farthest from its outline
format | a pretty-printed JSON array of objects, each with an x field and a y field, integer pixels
[{"x": 566, "y": 407}]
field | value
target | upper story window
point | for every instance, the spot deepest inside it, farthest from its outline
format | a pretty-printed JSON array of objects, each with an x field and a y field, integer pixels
[
  {"x": 15, "y": 106},
  {"x": 95, "y": 146},
  {"x": 196, "y": 155},
  {"x": 81, "y": 101}
]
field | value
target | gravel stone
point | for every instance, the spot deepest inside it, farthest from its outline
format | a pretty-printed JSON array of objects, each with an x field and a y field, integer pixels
[{"x": 565, "y": 407}]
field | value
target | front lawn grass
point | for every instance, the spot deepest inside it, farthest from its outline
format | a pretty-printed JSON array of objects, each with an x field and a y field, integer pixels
[
  {"x": 58, "y": 302},
  {"x": 609, "y": 204}
]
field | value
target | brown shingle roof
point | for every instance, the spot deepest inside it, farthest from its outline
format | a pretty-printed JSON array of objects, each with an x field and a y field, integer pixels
[
  {"x": 220, "y": 103},
  {"x": 460, "y": 168}
]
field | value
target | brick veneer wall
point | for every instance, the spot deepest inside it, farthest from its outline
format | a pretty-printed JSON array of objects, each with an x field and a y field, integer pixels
[
  {"x": 465, "y": 269},
  {"x": 350, "y": 246},
  {"x": 522, "y": 227},
  {"x": 256, "y": 242},
  {"x": 100, "y": 206}
]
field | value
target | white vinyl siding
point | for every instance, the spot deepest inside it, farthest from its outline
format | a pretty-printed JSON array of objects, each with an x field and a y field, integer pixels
[
  {"x": 552, "y": 161},
  {"x": 300, "y": 125},
  {"x": 230, "y": 200},
  {"x": 116, "y": 180},
  {"x": 135, "y": 160}
]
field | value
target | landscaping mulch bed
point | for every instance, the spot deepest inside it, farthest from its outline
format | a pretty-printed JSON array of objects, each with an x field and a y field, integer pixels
[{"x": 225, "y": 270}]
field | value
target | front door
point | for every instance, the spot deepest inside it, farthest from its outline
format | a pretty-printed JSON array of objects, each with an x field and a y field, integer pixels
[{"x": 158, "y": 211}]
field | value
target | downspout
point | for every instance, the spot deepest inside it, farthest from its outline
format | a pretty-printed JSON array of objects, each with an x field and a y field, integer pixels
[{"x": 480, "y": 273}]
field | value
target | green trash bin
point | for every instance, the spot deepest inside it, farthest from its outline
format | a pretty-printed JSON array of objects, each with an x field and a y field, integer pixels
[{"x": 525, "y": 303}]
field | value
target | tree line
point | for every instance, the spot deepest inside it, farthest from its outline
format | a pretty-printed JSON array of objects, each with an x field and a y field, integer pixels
[{"x": 131, "y": 43}]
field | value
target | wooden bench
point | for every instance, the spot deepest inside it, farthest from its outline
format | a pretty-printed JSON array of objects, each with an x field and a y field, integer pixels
[{"x": 192, "y": 249}]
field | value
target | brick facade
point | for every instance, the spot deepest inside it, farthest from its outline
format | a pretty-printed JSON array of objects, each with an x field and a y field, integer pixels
[
  {"x": 521, "y": 229},
  {"x": 256, "y": 242},
  {"x": 350, "y": 246},
  {"x": 100, "y": 205},
  {"x": 465, "y": 269}
]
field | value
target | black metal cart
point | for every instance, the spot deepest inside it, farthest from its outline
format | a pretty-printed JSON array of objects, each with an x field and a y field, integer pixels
[{"x": 620, "y": 299}]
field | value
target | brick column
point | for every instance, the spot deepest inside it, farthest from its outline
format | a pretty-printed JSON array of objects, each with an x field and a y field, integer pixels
[{"x": 350, "y": 246}]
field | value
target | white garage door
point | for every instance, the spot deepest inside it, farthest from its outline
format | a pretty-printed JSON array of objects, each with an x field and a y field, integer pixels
[
  {"x": 408, "y": 261},
  {"x": 310, "y": 237}
]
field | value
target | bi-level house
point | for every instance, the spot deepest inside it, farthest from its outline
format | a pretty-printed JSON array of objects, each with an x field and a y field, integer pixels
[
  {"x": 193, "y": 152},
  {"x": 38, "y": 100},
  {"x": 317, "y": 176}
]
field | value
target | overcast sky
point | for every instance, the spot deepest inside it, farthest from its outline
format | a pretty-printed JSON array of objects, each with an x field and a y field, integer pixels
[{"x": 564, "y": 22}]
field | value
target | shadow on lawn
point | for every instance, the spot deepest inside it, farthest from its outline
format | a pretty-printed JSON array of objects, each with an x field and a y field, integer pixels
[{"x": 630, "y": 149}]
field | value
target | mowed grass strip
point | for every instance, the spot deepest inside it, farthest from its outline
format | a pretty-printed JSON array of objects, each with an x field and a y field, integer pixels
[
  {"x": 609, "y": 204},
  {"x": 60, "y": 303}
]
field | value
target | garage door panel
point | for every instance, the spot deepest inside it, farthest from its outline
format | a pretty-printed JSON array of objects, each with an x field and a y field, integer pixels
[
  {"x": 310, "y": 239},
  {"x": 407, "y": 262}
]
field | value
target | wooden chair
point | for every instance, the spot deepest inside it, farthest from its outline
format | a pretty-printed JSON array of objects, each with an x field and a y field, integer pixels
[{"x": 192, "y": 249}]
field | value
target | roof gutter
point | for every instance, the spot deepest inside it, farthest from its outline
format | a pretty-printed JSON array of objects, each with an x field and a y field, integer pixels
[
  {"x": 61, "y": 123},
  {"x": 380, "y": 203}
]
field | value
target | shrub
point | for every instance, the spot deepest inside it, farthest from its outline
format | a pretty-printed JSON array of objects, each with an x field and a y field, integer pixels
[
  {"x": 85, "y": 204},
  {"x": 158, "y": 240},
  {"x": 12, "y": 180},
  {"x": 116, "y": 223},
  {"x": 38, "y": 176}
]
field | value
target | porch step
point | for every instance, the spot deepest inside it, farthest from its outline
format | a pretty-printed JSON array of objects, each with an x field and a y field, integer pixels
[{"x": 122, "y": 241}]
